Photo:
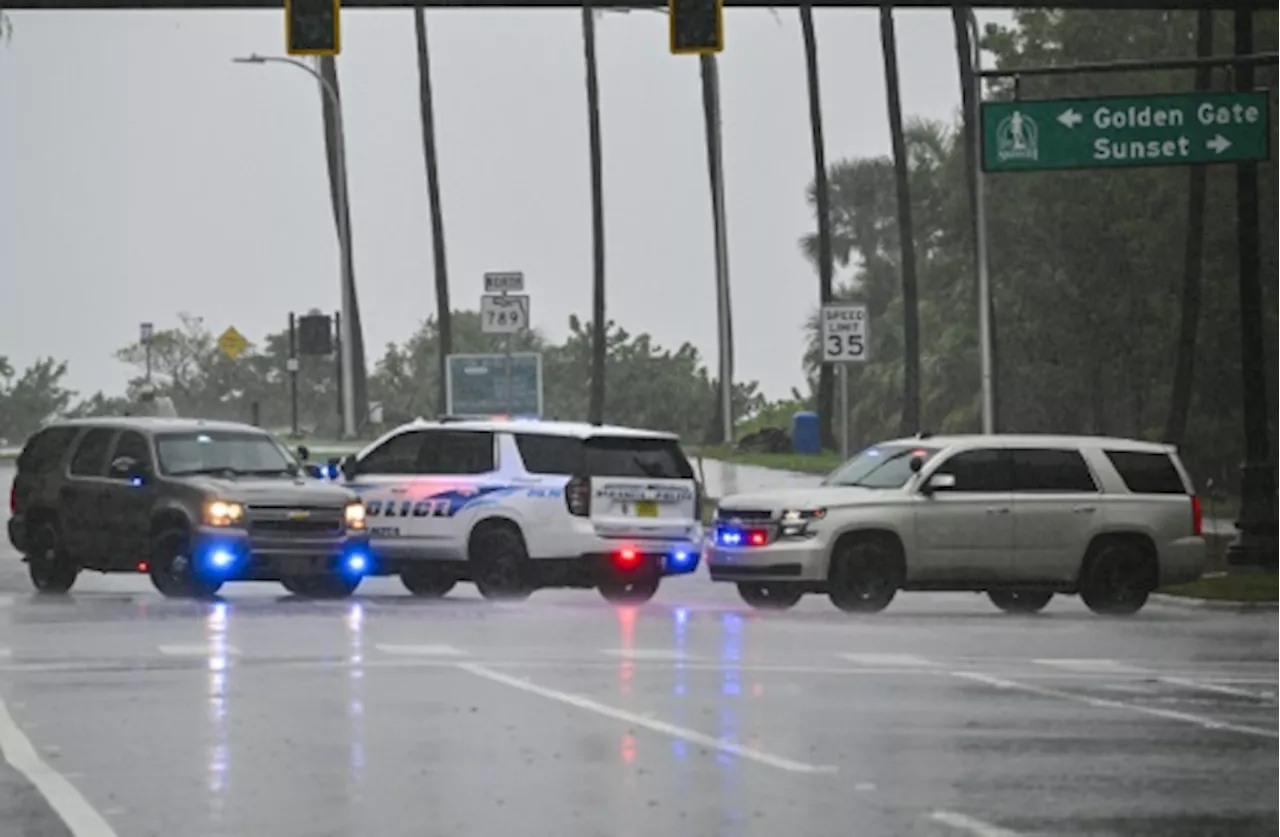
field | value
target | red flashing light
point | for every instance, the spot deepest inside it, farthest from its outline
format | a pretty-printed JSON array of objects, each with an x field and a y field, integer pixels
[
  {"x": 1197, "y": 516},
  {"x": 143, "y": 566},
  {"x": 627, "y": 556},
  {"x": 757, "y": 538}
]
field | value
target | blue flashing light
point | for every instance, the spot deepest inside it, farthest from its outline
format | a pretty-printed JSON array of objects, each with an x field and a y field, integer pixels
[
  {"x": 356, "y": 563},
  {"x": 135, "y": 482},
  {"x": 682, "y": 560},
  {"x": 729, "y": 537},
  {"x": 221, "y": 558},
  {"x": 331, "y": 472}
]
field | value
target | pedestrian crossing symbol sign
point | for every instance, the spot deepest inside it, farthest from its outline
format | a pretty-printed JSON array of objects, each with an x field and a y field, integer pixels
[{"x": 232, "y": 343}]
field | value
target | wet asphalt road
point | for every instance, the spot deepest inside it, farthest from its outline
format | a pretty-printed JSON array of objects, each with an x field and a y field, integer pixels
[{"x": 268, "y": 716}]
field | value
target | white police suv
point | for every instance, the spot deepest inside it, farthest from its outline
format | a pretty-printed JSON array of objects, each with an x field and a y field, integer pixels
[{"x": 515, "y": 505}]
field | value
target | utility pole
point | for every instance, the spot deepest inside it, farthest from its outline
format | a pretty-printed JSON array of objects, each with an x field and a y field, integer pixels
[
  {"x": 715, "y": 165},
  {"x": 293, "y": 374}
]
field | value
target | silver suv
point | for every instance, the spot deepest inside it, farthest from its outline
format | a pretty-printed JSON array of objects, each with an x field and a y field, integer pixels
[{"x": 1017, "y": 517}]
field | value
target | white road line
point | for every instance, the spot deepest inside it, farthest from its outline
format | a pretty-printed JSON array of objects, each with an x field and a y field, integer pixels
[
  {"x": 654, "y": 725},
  {"x": 1091, "y": 666},
  {"x": 72, "y": 808},
  {"x": 199, "y": 650},
  {"x": 962, "y": 822},
  {"x": 647, "y": 654},
  {"x": 889, "y": 660},
  {"x": 1217, "y": 687},
  {"x": 1106, "y": 703},
  {"x": 422, "y": 650}
]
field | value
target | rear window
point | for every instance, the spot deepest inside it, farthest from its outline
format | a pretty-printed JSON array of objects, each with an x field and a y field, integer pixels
[
  {"x": 1147, "y": 473},
  {"x": 44, "y": 450},
  {"x": 604, "y": 456}
]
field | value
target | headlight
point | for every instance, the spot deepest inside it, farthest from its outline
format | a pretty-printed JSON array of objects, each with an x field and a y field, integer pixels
[
  {"x": 795, "y": 522},
  {"x": 222, "y": 513},
  {"x": 354, "y": 514}
]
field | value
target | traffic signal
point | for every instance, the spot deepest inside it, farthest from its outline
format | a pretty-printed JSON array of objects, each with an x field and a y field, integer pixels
[
  {"x": 697, "y": 26},
  {"x": 311, "y": 27},
  {"x": 315, "y": 335}
]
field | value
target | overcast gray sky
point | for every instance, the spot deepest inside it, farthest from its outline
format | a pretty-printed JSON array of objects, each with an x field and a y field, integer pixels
[{"x": 142, "y": 173}]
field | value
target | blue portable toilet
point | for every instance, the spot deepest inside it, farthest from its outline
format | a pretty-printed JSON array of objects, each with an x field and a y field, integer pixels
[{"x": 805, "y": 435}]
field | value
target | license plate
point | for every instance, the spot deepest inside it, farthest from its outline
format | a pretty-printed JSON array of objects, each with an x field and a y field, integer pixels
[{"x": 646, "y": 508}]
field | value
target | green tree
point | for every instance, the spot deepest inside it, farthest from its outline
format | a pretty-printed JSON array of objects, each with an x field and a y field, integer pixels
[{"x": 30, "y": 399}]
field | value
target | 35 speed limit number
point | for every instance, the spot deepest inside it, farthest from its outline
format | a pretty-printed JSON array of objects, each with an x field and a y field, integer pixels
[{"x": 845, "y": 336}]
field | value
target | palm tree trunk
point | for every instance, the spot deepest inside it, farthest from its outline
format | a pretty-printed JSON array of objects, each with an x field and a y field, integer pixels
[
  {"x": 715, "y": 168},
  {"x": 360, "y": 374},
  {"x": 1175, "y": 428},
  {"x": 826, "y": 383},
  {"x": 595, "y": 408},
  {"x": 444, "y": 313},
  {"x": 910, "y": 422}
]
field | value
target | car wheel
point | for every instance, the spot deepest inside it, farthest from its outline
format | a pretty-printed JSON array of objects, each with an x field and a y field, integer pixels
[
  {"x": 332, "y": 586},
  {"x": 637, "y": 590},
  {"x": 427, "y": 582},
  {"x": 51, "y": 569},
  {"x": 174, "y": 571},
  {"x": 1117, "y": 580},
  {"x": 864, "y": 574},
  {"x": 1019, "y": 601},
  {"x": 297, "y": 585},
  {"x": 772, "y": 596},
  {"x": 501, "y": 563}
]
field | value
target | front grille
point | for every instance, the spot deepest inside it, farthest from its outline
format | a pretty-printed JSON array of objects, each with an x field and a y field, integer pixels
[
  {"x": 294, "y": 521},
  {"x": 745, "y": 515}
]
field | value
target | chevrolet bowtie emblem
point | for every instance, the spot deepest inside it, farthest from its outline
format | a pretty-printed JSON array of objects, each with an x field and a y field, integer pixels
[{"x": 299, "y": 514}]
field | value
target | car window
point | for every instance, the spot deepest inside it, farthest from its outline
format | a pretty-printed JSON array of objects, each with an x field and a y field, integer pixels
[
  {"x": 90, "y": 458},
  {"x": 214, "y": 451},
  {"x": 544, "y": 454},
  {"x": 979, "y": 470},
  {"x": 1147, "y": 473},
  {"x": 628, "y": 456},
  {"x": 880, "y": 466},
  {"x": 457, "y": 452},
  {"x": 1051, "y": 469},
  {"x": 397, "y": 455},
  {"x": 132, "y": 445},
  {"x": 43, "y": 451}
]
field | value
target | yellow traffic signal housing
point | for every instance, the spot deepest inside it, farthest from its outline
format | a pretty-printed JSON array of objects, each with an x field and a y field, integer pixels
[
  {"x": 697, "y": 26},
  {"x": 312, "y": 27}
]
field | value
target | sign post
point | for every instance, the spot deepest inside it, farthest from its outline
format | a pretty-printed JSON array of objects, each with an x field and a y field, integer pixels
[
  {"x": 146, "y": 332},
  {"x": 845, "y": 339},
  {"x": 504, "y": 310},
  {"x": 1126, "y": 131}
]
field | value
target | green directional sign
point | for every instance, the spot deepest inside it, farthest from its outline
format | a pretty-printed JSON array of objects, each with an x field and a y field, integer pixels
[
  {"x": 489, "y": 385},
  {"x": 1126, "y": 131}
]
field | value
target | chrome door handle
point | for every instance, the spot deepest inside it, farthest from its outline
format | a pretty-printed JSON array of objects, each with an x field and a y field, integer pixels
[
  {"x": 998, "y": 510},
  {"x": 1084, "y": 509}
]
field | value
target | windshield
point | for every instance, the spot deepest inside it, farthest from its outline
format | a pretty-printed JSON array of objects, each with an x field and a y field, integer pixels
[
  {"x": 880, "y": 466},
  {"x": 214, "y": 452}
]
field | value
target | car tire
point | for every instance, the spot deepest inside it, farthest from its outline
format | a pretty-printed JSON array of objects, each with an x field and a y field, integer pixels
[
  {"x": 1019, "y": 601},
  {"x": 427, "y": 582},
  {"x": 865, "y": 573},
  {"x": 629, "y": 591},
  {"x": 51, "y": 570},
  {"x": 332, "y": 586},
  {"x": 770, "y": 596},
  {"x": 173, "y": 570},
  {"x": 1116, "y": 580},
  {"x": 298, "y": 585},
  {"x": 501, "y": 562}
]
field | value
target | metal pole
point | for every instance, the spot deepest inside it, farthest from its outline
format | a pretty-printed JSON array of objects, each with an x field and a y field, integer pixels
[
  {"x": 347, "y": 291},
  {"x": 293, "y": 374},
  {"x": 716, "y": 159},
  {"x": 844, "y": 411},
  {"x": 338, "y": 358},
  {"x": 148, "y": 348},
  {"x": 510, "y": 406},
  {"x": 980, "y": 209}
]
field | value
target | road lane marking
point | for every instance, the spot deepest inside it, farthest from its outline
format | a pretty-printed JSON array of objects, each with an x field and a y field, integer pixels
[
  {"x": 422, "y": 650},
  {"x": 977, "y": 827},
  {"x": 1107, "y": 703},
  {"x": 1091, "y": 666},
  {"x": 206, "y": 650},
  {"x": 651, "y": 724},
  {"x": 889, "y": 660},
  {"x": 1217, "y": 687},
  {"x": 72, "y": 808}
]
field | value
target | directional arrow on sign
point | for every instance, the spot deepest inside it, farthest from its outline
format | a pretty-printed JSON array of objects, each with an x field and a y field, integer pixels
[
  {"x": 1070, "y": 118},
  {"x": 1218, "y": 144}
]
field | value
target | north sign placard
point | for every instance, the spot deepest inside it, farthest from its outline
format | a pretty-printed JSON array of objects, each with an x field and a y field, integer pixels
[
  {"x": 845, "y": 334},
  {"x": 504, "y": 314},
  {"x": 1126, "y": 131}
]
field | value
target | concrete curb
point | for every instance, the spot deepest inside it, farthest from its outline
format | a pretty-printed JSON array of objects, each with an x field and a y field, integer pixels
[{"x": 1211, "y": 604}]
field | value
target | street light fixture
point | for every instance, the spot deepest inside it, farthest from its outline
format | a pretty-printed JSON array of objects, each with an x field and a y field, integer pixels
[{"x": 347, "y": 294}]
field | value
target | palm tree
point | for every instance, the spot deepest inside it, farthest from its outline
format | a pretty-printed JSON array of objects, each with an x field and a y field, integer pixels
[
  {"x": 715, "y": 167},
  {"x": 599, "y": 349},
  {"x": 443, "y": 311},
  {"x": 906, "y": 237},
  {"x": 360, "y": 374},
  {"x": 826, "y": 388}
]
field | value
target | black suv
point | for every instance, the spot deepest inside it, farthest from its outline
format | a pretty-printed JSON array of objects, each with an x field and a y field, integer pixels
[{"x": 192, "y": 503}]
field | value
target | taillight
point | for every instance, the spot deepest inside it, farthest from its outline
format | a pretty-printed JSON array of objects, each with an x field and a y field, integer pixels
[
  {"x": 1197, "y": 516},
  {"x": 627, "y": 557},
  {"x": 577, "y": 496}
]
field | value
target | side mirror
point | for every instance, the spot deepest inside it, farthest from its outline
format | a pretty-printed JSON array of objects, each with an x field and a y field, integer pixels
[
  {"x": 936, "y": 482},
  {"x": 348, "y": 466},
  {"x": 304, "y": 453},
  {"x": 916, "y": 463}
]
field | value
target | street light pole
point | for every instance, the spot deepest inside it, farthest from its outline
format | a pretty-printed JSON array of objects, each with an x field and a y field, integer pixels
[
  {"x": 980, "y": 232},
  {"x": 347, "y": 294}
]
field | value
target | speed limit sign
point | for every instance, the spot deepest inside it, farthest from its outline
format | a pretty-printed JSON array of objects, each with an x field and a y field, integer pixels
[{"x": 845, "y": 336}]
